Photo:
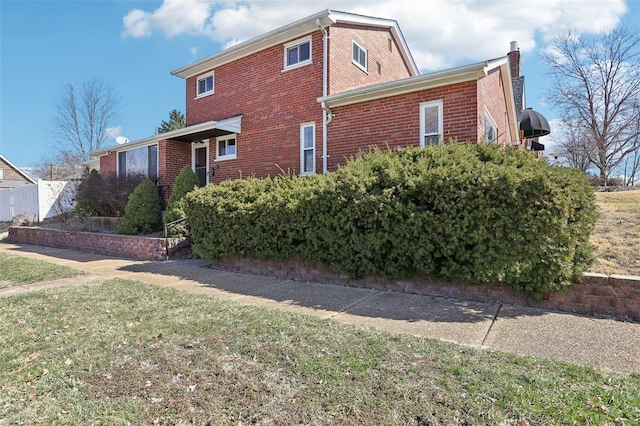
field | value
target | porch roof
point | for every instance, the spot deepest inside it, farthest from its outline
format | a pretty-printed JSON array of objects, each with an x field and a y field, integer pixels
[{"x": 206, "y": 130}]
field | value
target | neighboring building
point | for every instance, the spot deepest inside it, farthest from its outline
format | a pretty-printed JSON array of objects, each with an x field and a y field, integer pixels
[
  {"x": 11, "y": 176},
  {"x": 308, "y": 95}
]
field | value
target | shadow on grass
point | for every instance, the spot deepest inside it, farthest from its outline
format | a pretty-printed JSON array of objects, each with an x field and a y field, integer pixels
[{"x": 331, "y": 298}]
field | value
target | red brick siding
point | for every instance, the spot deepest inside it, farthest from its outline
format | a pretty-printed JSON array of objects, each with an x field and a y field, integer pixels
[
  {"x": 395, "y": 121},
  {"x": 108, "y": 164},
  {"x": 172, "y": 157},
  {"x": 491, "y": 95},
  {"x": 125, "y": 246},
  {"x": 345, "y": 75},
  {"x": 273, "y": 104}
]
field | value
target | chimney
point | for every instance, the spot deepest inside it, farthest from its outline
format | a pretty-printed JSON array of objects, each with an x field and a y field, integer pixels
[{"x": 514, "y": 59}]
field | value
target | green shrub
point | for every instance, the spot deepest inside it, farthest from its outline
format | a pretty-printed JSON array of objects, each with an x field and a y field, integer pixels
[
  {"x": 464, "y": 212},
  {"x": 143, "y": 213},
  {"x": 185, "y": 183},
  {"x": 106, "y": 195}
]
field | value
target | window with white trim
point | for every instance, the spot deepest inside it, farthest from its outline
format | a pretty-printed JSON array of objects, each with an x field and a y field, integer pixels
[
  {"x": 431, "y": 123},
  {"x": 359, "y": 56},
  {"x": 1, "y": 173},
  {"x": 139, "y": 161},
  {"x": 204, "y": 85},
  {"x": 226, "y": 147},
  {"x": 490, "y": 129},
  {"x": 307, "y": 148},
  {"x": 297, "y": 53}
]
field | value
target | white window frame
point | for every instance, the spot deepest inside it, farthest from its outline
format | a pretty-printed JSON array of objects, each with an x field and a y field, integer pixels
[
  {"x": 226, "y": 138},
  {"x": 293, "y": 44},
  {"x": 492, "y": 123},
  {"x": 207, "y": 92},
  {"x": 1, "y": 173},
  {"x": 194, "y": 146},
  {"x": 304, "y": 126},
  {"x": 357, "y": 63},
  {"x": 423, "y": 134}
]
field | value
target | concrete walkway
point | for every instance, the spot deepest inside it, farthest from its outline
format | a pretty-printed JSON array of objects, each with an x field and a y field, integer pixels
[{"x": 603, "y": 343}]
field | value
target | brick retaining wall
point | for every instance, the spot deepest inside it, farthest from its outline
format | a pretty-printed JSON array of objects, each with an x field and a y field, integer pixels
[
  {"x": 597, "y": 294},
  {"x": 127, "y": 246}
]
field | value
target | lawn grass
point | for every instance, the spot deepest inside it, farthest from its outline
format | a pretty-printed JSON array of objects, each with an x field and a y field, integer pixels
[
  {"x": 18, "y": 270},
  {"x": 617, "y": 233},
  {"x": 124, "y": 352}
]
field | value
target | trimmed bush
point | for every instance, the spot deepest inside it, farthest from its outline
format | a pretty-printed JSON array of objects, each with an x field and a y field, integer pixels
[
  {"x": 473, "y": 213},
  {"x": 186, "y": 182},
  {"x": 143, "y": 214}
]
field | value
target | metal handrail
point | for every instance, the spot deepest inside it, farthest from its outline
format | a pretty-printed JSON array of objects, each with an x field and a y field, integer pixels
[{"x": 166, "y": 234}]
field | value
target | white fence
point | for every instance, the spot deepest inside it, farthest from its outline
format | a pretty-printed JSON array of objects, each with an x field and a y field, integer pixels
[{"x": 38, "y": 202}]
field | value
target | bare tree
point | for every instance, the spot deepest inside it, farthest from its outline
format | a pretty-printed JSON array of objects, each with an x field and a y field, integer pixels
[
  {"x": 82, "y": 121},
  {"x": 596, "y": 87},
  {"x": 571, "y": 146}
]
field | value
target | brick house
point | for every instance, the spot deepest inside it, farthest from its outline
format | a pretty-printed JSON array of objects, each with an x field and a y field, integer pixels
[
  {"x": 11, "y": 176},
  {"x": 308, "y": 95}
]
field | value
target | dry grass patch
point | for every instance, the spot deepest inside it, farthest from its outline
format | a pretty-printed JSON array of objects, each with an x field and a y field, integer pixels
[
  {"x": 617, "y": 233},
  {"x": 123, "y": 352}
]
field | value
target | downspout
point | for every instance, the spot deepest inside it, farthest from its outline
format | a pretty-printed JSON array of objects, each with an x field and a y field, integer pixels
[{"x": 326, "y": 112}]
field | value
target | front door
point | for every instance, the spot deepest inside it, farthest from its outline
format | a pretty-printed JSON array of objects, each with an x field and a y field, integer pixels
[{"x": 200, "y": 161}]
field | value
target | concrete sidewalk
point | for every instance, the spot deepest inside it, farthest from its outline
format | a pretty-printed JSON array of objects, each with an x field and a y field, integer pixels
[{"x": 603, "y": 343}]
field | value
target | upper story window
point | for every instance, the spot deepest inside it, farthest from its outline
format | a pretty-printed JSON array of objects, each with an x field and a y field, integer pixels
[
  {"x": 226, "y": 147},
  {"x": 360, "y": 56},
  {"x": 297, "y": 53},
  {"x": 490, "y": 129},
  {"x": 204, "y": 85},
  {"x": 431, "y": 123}
]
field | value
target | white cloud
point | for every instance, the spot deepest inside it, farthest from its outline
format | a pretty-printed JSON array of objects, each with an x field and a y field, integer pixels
[
  {"x": 113, "y": 132},
  {"x": 172, "y": 18},
  {"x": 194, "y": 51},
  {"x": 439, "y": 34}
]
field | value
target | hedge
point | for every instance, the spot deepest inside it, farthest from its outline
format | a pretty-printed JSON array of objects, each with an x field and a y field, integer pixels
[{"x": 463, "y": 212}]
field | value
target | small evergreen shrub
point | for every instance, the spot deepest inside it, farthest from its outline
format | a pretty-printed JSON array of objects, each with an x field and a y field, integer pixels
[
  {"x": 143, "y": 214},
  {"x": 474, "y": 213},
  {"x": 186, "y": 181}
]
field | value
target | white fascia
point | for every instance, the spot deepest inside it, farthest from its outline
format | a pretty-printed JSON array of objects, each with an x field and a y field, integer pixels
[
  {"x": 290, "y": 32},
  {"x": 411, "y": 84},
  {"x": 232, "y": 125}
]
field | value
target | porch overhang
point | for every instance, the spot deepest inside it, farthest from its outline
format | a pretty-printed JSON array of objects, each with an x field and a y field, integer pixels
[
  {"x": 208, "y": 130},
  {"x": 197, "y": 132}
]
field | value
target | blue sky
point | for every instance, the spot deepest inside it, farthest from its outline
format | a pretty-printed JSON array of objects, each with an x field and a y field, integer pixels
[{"x": 134, "y": 45}]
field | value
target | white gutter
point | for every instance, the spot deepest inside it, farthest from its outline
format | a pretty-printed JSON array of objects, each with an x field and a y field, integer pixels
[
  {"x": 326, "y": 113},
  {"x": 232, "y": 125},
  {"x": 410, "y": 84}
]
